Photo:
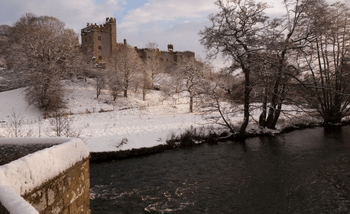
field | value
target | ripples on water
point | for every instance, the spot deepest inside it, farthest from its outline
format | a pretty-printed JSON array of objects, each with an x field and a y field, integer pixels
[{"x": 304, "y": 171}]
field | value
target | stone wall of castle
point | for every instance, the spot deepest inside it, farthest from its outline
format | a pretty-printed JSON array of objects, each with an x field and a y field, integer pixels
[
  {"x": 169, "y": 59},
  {"x": 101, "y": 40}
]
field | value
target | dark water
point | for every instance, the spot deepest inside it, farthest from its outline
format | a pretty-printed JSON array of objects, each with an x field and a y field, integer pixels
[{"x": 304, "y": 171}]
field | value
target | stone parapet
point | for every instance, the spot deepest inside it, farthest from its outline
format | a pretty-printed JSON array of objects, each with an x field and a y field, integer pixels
[
  {"x": 52, "y": 180},
  {"x": 67, "y": 193}
]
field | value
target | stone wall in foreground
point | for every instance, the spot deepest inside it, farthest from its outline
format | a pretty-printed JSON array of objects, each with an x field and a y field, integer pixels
[
  {"x": 3, "y": 210},
  {"x": 50, "y": 180},
  {"x": 67, "y": 193}
]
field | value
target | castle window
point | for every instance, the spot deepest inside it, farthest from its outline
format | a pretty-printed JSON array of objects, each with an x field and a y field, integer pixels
[
  {"x": 100, "y": 57},
  {"x": 99, "y": 47},
  {"x": 99, "y": 37},
  {"x": 161, "y": 59},
  {"x": 166, "y": 59}
]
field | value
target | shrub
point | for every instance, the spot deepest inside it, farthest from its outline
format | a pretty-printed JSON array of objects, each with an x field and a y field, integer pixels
[
  {"x": 186, "y": 139},
  {"x": 212, "y": 138},
  {"x": 123, "y": 142},
  {"x": 172, "y": 139},
  {"x": 189, "y": 137}
]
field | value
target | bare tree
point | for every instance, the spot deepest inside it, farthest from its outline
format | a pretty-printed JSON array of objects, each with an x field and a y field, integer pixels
[
  {"x": 128, "y": 64},
  {"x": 58, "y": 123},
  {"x": 100, "y": 80},
  {"x": 62, "y": 125},
  {"x": 152, "y": 66},
  {"x": 283, "y": 37},
  {"x": 115, "y": 76},
  {"x": 153, "y": 61},
  {"x": 325, "y": 62},
  {"x": 218, "y": 100},
  {"x": 46, "y": 51},
  {"x": 115, "y": 86},
  {"x": 14, "y": 126},
  {"x": 146, "y": 82},
  {"x": 236, "y": 34},
  {"x": 190, "y": 80}
]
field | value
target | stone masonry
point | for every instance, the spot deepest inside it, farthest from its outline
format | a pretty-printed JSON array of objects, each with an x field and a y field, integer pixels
[
  {"x": 68, "y": 193},
  {"x": 101, "y": 41}
]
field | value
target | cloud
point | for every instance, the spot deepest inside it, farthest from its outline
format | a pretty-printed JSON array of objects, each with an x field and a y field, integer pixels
[
  {"x": 167, "y": 11},
  {"x": 75, "y": 14}
]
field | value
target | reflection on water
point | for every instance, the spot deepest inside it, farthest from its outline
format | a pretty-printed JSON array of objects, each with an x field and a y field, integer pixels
[{"x": 304, "y": 171}]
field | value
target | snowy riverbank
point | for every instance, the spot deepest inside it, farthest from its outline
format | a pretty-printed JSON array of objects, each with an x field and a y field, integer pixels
[{"x": 102, "y": 123}]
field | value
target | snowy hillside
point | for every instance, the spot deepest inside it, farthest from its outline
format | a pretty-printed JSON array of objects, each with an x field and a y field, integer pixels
[
  {"x": 142, "y": 123},
  {"x": 103, "y": 123}
]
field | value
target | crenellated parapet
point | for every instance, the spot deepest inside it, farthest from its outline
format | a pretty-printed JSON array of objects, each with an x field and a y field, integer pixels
[{"x": 106, "y": 27}]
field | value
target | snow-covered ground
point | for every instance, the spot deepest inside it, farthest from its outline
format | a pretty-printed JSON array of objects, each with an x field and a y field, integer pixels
[
  {"x": 143, "y": 123},
  {"x": 140, "y": 123}
]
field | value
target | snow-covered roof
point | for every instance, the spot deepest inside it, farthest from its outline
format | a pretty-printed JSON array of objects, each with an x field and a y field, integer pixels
[{"x": 29, "y": 172}]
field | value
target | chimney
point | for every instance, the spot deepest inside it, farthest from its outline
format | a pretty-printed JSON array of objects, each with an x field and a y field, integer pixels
[
  {"x": 170, "y": 47},
  {"x": 124, "y": 41}
]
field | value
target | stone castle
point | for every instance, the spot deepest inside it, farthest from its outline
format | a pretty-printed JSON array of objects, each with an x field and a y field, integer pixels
[{"x": 101, "y": 41}]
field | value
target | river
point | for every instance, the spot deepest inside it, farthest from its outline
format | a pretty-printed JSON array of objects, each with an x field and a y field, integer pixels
[{"x": 305, "y": 171}]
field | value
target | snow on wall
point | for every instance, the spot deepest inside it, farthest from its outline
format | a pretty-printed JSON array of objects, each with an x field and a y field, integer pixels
[
  {"x": 13, "y": 202},
  {"x": 27, "y": 141},
  {"x": 27, "y": 173}
]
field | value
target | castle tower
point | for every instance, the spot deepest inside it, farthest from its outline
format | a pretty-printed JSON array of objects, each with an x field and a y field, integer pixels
[
  {"x": 113, "y": 23},
  {"x": 100, "y": 40}
]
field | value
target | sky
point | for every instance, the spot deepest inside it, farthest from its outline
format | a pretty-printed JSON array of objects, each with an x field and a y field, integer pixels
[{"x": 164, "y": 22}]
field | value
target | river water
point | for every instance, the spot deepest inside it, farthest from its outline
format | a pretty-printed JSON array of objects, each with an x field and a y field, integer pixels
[{"x": 306, "y": 171}]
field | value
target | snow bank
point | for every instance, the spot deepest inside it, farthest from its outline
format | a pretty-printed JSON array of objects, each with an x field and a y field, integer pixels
[{"x": 27, "y": 173}]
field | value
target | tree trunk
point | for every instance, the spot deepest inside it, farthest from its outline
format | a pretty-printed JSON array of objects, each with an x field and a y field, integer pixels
[
  {"x": 278, "y": 109},
  {"x": 191, "y": 104},
  {"x": 331, "y": 116},
  {"x": 336, "y": 108},
  {"x": 276, "y": 116},
  {"x": 246, "y": 103},
  {"x": 98, "y": 92},
  {"x": 143, "y": 94},
  {"x": 126, "y": 87},
  {"x": 262, "y": 118},
  {"x": 125, "y": 92},
  {"x": 272, "y": 109}
]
